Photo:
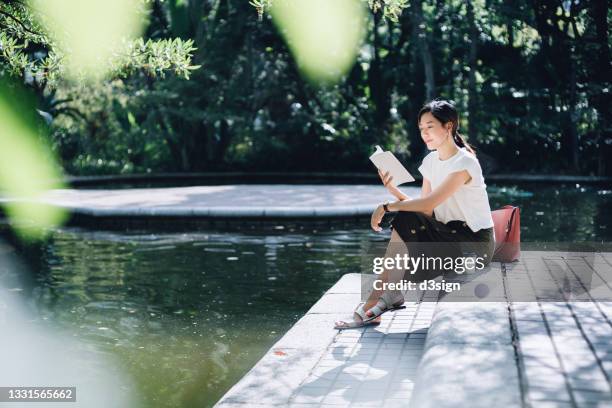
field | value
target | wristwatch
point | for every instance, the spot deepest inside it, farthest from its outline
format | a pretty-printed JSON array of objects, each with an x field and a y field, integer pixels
[{"x": 385, "y": 207}]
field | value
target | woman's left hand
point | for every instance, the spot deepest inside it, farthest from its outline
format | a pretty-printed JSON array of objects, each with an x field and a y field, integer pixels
[{"x": 377, "y": 216}]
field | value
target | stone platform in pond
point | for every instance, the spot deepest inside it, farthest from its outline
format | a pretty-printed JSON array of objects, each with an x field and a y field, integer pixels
[
  {"x": 251, "y": 201},
  {"x": 439, "y": 352}
]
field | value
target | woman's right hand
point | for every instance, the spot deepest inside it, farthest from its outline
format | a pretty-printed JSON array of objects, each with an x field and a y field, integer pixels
[{"x": 386, "y": 179}]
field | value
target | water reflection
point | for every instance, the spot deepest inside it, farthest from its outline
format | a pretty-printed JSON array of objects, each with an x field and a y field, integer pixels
[
  {"x": 184, "y": 321},
  {"x": 559, "y": 212},
  {"x": 37, "y": 353}
]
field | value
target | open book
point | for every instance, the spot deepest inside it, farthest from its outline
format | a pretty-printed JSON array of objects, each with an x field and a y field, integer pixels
[{"x": 386, "y": 161}]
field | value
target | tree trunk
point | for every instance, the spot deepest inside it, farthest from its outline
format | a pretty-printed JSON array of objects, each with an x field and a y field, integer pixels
[
  {"x": 473, "y": 64},
  {"x": 601, "y": 78},
  {"x": 573, "y": 116},
  {"x": 377, "y": 81},
  {"x": 420, "y": 33},
  {"x": 223, "y": 143},
  {"x": 557, "y": 51},
  {"x": 510, "y": 28}
]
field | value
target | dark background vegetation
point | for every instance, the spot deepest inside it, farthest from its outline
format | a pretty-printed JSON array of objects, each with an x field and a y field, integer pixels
[{"x": 531, "y": 79}]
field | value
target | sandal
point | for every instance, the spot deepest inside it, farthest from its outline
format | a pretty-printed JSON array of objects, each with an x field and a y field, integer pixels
[
  {"x": 382, "y": 306},
  {"x": 360, "y": 312}
]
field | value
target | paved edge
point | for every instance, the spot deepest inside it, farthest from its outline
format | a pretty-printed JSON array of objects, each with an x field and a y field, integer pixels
[
  {"x": 222, "y": 213},
  {"x": 331, "y": 176},
  {"x": 478, "y": 336},
  {"x": 469, "y": 356},
  {"x": 228, "y": 212},
  {"x": 140, "y": 209},
  {"x": 279, "y": 373}
]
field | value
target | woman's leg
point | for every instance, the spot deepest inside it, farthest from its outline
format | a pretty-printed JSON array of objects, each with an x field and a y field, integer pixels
[
  {"x": 408, "y": 226},
  {"x": 418, "y": 232},
  {"x": 396, "y": 246}
]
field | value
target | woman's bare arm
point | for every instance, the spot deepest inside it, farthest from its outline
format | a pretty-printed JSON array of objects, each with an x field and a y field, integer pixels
[
  {"x": 426, "y": 188},
  {"x": 431, "y": 199},
  {"x": 426, "y": 191}
]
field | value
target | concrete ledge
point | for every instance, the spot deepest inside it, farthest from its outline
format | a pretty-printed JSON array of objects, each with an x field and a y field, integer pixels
[
  {"x": 279, "y": 373},
  {"x": 226, "y": 202},
  {"x": 455, "y": 375},
  {"x": 469, "y": 356},
  {"x": 316, "y": 364},
  {"x": 205, "y": 178},
  {"x": 470, "y": 323},
  {"x": 447, "y": 352}
]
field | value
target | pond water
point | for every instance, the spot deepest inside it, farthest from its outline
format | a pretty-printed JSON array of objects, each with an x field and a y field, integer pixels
[{"x": 186, "y": 315}]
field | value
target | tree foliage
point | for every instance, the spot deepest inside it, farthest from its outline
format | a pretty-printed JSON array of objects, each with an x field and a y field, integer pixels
[
  {"x": 29, "y": 53},
  {"x": 531, "y": 80}
]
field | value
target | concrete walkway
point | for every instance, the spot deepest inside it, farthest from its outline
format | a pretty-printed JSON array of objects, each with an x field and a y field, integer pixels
[
  {"x": 226, "y": 201},
  {"x": 445, "y": 352}
]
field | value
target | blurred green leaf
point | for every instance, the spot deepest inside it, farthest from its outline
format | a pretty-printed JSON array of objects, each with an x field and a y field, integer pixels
[
  {"x": 91, "y": 32},
  {"x": 27, "y": 168},
  {"x": 324, "y": 36}
]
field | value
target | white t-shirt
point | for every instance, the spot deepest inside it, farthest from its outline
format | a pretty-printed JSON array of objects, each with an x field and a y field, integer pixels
[{"x": 470, "y": 203}]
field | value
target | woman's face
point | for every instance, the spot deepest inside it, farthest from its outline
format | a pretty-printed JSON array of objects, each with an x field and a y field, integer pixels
[{"x": 433, "y": 132}]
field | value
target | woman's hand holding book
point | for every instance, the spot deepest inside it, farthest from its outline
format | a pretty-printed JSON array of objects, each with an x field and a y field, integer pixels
[{"x": 386, "y": 179}]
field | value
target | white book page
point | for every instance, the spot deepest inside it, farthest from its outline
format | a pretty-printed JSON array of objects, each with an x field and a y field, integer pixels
[{"x": 386, "y": 161}]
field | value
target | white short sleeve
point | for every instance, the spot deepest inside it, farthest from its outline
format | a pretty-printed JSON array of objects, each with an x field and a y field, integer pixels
[
  {"x": 470, "y": 163},
  {"x": 425, "y": 167}
]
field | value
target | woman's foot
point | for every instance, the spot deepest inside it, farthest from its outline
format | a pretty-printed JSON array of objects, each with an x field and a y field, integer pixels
[
  {"x": 356, "y": 323},
  {"x": 384, "y": 304},
  {"x": 358, "y": 320}
]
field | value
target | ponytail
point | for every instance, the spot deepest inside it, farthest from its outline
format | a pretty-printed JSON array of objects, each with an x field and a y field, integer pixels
[{"x": 459, "y": 141}]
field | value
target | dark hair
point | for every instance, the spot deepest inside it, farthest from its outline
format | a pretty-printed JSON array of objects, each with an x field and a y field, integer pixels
[{"x": 445, "y": 112}]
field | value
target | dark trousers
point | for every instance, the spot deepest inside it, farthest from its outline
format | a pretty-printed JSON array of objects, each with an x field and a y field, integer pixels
[{"x": 425, "y": 236}]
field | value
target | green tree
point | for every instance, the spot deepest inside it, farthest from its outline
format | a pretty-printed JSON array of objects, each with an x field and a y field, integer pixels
[{"x": 531, "y": 80}]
